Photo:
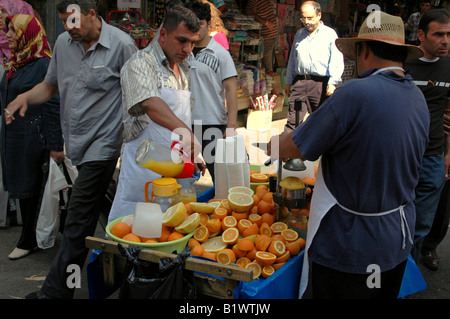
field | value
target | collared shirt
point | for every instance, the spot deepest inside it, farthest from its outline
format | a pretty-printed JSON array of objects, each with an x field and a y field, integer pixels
[
  {"x": 315, "y": 54},
  {"x": 91, "y": 97},
  {"x": 141, "y": 79}
]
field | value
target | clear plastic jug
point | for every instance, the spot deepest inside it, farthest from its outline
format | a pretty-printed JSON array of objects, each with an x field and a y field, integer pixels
[
  {"x": 168, "y": 162},
  {"x": 164, "y": 192}
]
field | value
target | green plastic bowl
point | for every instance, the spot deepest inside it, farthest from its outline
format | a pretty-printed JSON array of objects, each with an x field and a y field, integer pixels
[{"x": 169, "y": 247}]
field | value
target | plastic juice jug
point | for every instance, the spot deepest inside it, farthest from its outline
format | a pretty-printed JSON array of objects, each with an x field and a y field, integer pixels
[
  {"x": 165, "y": 192},
  {"x": 160, "y": 159}
]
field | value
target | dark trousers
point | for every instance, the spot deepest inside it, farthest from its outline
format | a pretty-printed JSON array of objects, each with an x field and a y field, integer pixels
[
  {"x": 83, "y": 212},
  {"x": 209, "y": 141},
  {"x": 29, "y": 210},
  {"x": 440, "y": 223},
  {"x": 328, "y": 283},
  {"x": 312, "y": 93}
]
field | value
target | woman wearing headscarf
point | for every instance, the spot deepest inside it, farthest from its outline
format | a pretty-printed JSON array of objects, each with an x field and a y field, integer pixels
[
  {"x": 7, "y": 7},
  {"x": 27, "y": 142},
  {"x": 10, "y": 8}
]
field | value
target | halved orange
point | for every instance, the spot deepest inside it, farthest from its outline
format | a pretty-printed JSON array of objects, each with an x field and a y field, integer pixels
[
  {"x": 224, "y": 204},
  {"x": 243, "y": 261},
  {"x": 197, "y": 250},
  {"x": 226, "y": 256},
  {"x": 230, "y": 236},
  {"x": 265, "y": 258},
  {"x": 267, "y": 218},
  {"x": 201, "y": 234},
  {"x": 283, "y": 258},
  {"x": 239, "y": 253},
  {"x": 295, "y": 246},
  {"x": 267, "y": 271},
  {"x": 204, "y": 219},
  {"x": 277, "y": 248},
  {"x": 193, "y": 242},
  {"x": 255, "y": 219},
  {"x": 290, "y": 235},
  {"x": 265, "y": 229},
  {"x": 277, "y": 266},
  {"x": 239, "y": 216},
  {"x": 245, "y": 244},
  {"x": 262, "y": 242},
  {"x": 220, "y": 213},
  {"x": 278, "y": 227},
  {"x": 259, "y": 178},
  {"x": 229, "y": 222},
  {"x": 214, "y": 225},
  {"x": 243, "y": 224},
  {"x": 210, "y": 255},
  {"x": 252, "y": 230},
  {"x": 256, "y": 269}
]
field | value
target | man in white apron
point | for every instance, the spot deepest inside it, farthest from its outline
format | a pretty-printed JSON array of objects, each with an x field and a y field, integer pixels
[
  {"x": 371, "y": 135},
  {"x": 157, "y": 102}
]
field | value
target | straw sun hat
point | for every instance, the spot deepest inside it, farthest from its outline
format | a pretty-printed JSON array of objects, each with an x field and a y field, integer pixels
[{"x": 382, "y": 27}]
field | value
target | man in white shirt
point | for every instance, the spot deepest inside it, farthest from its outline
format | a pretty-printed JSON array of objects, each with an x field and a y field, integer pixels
[
  {"x": 214, "y": 88},
  {"x": 315, "y": 64}
]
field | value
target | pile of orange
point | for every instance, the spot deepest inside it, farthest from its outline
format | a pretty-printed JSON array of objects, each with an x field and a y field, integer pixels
[
  {"x": 124, "y": 231},
  {"x": 251, "y": 239}
]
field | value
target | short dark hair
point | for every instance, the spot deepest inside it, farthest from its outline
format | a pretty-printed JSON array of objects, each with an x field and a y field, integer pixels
[
  {"x": 438, "y": 15},
  {"x": 179, "y": 14},
  {"x": 202, "y": 10},
  {"x": 85, "y": 5},
  {"x": 386, "y": 51}
]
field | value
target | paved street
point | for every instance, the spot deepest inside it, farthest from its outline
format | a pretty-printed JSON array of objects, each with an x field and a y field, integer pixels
[{"x": 19, "y": 277}]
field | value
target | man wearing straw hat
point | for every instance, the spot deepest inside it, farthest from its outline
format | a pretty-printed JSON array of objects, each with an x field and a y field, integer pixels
[{"x": 370, "y": 136}]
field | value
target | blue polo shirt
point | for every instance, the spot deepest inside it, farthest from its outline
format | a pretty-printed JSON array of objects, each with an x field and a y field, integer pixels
[{"x": 371, "y": 133}]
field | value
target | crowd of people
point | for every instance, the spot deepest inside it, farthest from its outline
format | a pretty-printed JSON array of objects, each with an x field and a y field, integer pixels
[{"x": 382, "y": 184}]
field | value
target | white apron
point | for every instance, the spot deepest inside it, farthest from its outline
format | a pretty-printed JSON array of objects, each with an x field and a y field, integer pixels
[
  {"x": 322, "y": 201},
  {"x": 132, "y": 177}
]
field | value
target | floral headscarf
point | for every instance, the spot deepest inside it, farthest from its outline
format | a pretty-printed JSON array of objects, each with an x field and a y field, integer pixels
[
  {"x": 32, "y": 42},
  {"x": 13, "y": 7}
]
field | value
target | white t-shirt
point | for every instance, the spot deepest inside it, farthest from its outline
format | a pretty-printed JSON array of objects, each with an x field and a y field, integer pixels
[{"x": 209, "y": 68}]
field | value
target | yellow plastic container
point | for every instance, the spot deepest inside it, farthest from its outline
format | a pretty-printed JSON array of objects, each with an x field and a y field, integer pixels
[{"x": 169, "y": 247}]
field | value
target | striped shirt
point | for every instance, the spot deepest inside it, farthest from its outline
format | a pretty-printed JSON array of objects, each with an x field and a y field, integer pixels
[
  {"x": 265, "y": 9},
  {"x": 141, "y": 80}
]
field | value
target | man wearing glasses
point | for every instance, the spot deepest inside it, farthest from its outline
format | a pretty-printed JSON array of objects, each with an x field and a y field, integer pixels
[{"x": 315, "y": 64}]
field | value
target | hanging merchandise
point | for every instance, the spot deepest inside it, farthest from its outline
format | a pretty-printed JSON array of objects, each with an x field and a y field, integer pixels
[{"x": 132, "y": 23}]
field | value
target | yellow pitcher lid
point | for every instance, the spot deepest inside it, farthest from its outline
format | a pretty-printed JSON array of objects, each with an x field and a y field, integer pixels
[{"x": 165, "y": 186}]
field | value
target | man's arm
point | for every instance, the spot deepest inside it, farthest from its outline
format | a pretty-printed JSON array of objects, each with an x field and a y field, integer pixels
[
  {"x": 40, "y": 94},
  {"x": 230, "y": 86}
]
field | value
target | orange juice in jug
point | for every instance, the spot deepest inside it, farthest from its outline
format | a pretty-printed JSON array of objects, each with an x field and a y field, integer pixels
[{"x": 165, "y": 168}]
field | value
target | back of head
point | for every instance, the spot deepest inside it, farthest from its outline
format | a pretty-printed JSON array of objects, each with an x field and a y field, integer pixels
[
  {"x": 179, "y": 14},
  {"x": 438, "y": 15},
  {"x": 85, "y": 5},
  {"x": 202, "y": 10}
]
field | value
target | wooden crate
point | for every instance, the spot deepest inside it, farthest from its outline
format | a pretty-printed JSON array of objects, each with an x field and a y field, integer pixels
[{"x": 113, "y": 261}]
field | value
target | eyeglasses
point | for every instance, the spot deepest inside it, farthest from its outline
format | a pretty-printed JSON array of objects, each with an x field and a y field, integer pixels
[{"x": 307, "y": 19}]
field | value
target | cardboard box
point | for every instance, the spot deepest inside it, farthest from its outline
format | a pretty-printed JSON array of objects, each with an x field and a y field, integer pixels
[{"x": 259, "y": 120}]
